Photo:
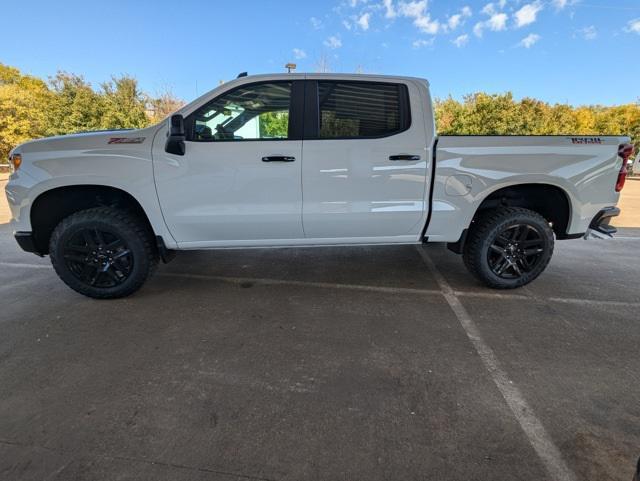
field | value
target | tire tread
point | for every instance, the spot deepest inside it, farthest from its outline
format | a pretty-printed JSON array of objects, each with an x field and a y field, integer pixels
[
  {"x": 124, "y": 220},
  {"x": 481, "y": 229}
]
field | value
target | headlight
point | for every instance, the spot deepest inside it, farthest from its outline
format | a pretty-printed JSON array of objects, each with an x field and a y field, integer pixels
[{"x": 15, "y": 160}]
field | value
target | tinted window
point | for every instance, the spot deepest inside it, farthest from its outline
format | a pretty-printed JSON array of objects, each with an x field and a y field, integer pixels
[
  {"x": 258, "y": 111},
  {"x": 361, "y": 109}
]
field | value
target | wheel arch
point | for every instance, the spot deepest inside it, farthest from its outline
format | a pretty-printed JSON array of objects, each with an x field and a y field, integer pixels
[
  {"x": 549, "y": 200},
  {"x": 53, "y": 205}
]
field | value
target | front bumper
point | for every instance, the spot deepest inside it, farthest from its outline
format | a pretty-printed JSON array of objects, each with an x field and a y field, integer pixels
[
  {"x": 600, "y": 225},
  {"x": 26, "y": 242}
]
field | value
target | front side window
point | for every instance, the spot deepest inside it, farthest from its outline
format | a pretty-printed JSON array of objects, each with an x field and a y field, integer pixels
[
  {"x": 361, "y": 109},
  {"x": 251, "y": 112}
]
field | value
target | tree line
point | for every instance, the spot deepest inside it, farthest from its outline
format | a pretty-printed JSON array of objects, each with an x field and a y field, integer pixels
[
  {"x": 31, "y": 107},
  {"x": 501, "y": 114},
  {"x": 66, "y": 103}
]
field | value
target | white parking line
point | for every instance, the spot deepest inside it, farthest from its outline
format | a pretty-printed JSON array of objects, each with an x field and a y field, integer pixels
[
  {"x": 25, "y": 266},
  {"x": 323, "y": 285},
  {"x": 490, "y": 295},
  {"x": 13, "y": 285},
  {"x": 531, "y": 425},
  {"x": 593, "y": 302},
  {"x": 363, "y": 287}
]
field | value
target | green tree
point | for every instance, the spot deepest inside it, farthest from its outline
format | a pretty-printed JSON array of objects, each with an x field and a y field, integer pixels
[
  {"x": 124, "y": 105},
  {"x": 23, "y": 103},
  {"x": 274, "y": 124},
  {"x": 76, "y": 107},
  {"x": 163, "y": 105}
]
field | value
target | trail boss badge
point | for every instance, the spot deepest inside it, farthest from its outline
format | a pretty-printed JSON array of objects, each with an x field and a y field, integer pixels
[{"x": 586, "y": 140}]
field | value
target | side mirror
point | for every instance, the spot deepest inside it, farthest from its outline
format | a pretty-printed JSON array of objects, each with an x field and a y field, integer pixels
[{"x": 176, "y": 136}]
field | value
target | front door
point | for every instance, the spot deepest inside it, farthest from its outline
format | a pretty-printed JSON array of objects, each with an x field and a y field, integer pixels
[
  {"x": 366, "y": 161},
  {"x": 240, "y": 177}
]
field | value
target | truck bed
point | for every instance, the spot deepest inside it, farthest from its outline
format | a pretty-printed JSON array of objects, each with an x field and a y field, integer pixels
[{"x": 469, "y": 168}]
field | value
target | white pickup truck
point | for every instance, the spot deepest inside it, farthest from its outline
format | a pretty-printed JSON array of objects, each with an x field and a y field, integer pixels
[{"x": 307, "y": 160}]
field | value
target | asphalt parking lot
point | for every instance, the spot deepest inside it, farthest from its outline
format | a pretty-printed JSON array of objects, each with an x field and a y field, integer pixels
[{"x": 325, "y": 364}]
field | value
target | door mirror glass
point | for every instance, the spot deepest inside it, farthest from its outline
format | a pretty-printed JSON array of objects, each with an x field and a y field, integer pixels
[
  {"x": 177, "y": 125},
  {"x": 175, "y": 137}
]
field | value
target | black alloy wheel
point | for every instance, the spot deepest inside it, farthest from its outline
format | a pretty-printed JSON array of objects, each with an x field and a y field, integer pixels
[
  {"x": 98, "y": 257},
  {"x": 508, "y": 247},
  {"x": 103, "y": 252},
  {"x": 516, "y": 251}
]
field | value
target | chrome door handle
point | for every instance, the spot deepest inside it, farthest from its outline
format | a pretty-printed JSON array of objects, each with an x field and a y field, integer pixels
[{"x": 278, "y": 158}]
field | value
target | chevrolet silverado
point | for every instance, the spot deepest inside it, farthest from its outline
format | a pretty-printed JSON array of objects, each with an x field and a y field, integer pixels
[{"x": 307, "y": 160}]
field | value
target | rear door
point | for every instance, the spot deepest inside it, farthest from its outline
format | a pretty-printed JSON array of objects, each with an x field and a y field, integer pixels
[{"x": 365, "y": 160}]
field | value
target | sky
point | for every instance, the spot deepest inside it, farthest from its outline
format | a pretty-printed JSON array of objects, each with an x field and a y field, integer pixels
[{"x": 561, "y": 51}]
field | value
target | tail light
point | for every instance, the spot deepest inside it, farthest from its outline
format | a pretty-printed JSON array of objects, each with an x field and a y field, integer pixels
[{"x": 625, "y": 151}]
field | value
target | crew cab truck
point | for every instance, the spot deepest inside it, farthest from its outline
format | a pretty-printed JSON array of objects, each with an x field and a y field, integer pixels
[{"x": 307, "y": 160}]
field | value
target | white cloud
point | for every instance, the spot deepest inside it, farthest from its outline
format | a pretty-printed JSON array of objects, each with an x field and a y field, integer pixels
[
  {"x": 417, "y": 10},
  {"x": 454, "y": 21},
  {"x": 528, "y": 13},
  {"x": 478, "y": 29},
  {"x": 363, "y": 21},
  {"x": 489, "y": 9},
  {"x": 561, "y": 4},
  {"x": 427, "y": 25},
  {"x": 461, "y": 41},
  {"x": 589, "y": 33},
  {"x": 299, "y": 53},
  {"x": 634, "y": 26},
  {"x": 390, "y": 10},
  {"x": 414, "y": 9},
  {"x": 333, "y": 42},
  {"x": 497, "y": 22},
  {"x": 423, "y": 43},
  {"x": 346, "y": 24},
  {"x": 315, "y": 23},
  {"x": 530, "y": 40}
]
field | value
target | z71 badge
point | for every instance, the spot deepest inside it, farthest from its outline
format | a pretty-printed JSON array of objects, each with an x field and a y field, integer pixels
[
  {"x": 126, "y": 140},
  {"x": 586, "y": 140}
]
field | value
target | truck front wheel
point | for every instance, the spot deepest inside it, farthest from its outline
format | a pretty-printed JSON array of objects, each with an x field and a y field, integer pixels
[
  {"x": 103, "y": 252},
  {"x": 508, "y": 247}
]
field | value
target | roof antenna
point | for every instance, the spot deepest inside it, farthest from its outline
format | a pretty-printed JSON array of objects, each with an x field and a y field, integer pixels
[{"x": 242, "y": 74}]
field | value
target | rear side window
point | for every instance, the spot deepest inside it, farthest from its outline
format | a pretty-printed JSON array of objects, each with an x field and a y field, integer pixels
[{"x": 351, "y": 110}]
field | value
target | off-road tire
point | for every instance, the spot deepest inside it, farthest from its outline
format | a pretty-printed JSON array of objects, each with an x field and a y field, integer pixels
[
  {"x": 484, "y": 233},
  {"x": 134, "y": 234}
]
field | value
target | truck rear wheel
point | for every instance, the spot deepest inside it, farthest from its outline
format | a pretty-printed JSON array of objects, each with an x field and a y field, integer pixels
[
  {"x": 508, "y": 247},
  {"x": 103, "y": 253}
]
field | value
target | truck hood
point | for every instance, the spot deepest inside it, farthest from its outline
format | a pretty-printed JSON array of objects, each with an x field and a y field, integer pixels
[{"x": 98, "y": 140}]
